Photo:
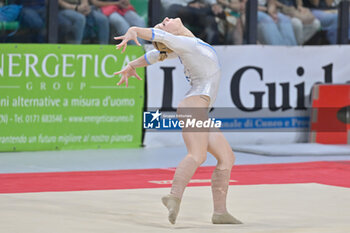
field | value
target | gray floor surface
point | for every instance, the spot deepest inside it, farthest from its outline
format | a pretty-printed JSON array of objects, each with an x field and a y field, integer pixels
[{"x": 118, "y": 159}]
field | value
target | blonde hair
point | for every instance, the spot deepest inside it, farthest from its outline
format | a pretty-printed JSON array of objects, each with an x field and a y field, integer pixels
[{"x": 164, "y": 50}]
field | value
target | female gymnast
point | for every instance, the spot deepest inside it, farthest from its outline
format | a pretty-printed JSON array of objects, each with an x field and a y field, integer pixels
[{"x": 172, "y": 39}]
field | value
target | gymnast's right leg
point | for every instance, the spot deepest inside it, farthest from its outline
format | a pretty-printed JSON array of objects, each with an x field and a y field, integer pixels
[{"x": 196, "y": 144}]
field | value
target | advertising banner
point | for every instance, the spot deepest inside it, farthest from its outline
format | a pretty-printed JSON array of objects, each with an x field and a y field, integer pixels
[
  {"x": 66, "y": 97},
  {"x": 264, "y": 94}
]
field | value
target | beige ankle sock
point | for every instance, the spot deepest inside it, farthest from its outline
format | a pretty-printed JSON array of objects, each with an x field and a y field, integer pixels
[
  {"x": 183, "y": 174},
  {"x": 219, "y": 185}
]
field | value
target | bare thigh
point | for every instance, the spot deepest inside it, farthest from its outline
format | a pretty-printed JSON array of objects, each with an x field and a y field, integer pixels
[
  {"x": 196, "y": 141},
  {"x": 219, "y": 147}
]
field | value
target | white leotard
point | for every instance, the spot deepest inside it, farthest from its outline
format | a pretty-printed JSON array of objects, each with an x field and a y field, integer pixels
[{"x": 201, "y": 64}]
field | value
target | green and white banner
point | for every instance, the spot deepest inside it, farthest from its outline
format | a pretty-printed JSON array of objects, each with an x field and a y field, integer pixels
[{"x": 66, "y": 97}]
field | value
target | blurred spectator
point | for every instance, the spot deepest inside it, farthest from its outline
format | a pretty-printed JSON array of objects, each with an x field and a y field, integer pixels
[
  {"x": 304, "y": 23},
  {"x": 326, "y": 12},
  {"x": 9, "y": 10},
  {"x": 200, "y": 16},
  {"x": 75, "y": 13},
  {"x": 81, "y": 19},
  {"x": 121, "y": 14},
  {"x": 8, "y": 19},
  {"x": 233, "y": 24},
  {"x": 274, "y": 28},
  {"x": 32, "y": 17}
]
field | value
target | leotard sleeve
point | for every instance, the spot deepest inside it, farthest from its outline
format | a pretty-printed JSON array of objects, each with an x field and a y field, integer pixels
[{"x": 179, "y": 44}]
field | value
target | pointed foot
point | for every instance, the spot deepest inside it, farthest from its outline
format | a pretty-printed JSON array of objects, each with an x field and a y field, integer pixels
[{"x": 173, "y": 205}]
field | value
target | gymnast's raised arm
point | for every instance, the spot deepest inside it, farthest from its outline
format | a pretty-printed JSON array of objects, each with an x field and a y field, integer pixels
[
  {"x": 132, "y": 34},
  {"x": 171, "y": 33},
  {"x": 177, "y": 42},
  {"x": 148, "y": 58}
]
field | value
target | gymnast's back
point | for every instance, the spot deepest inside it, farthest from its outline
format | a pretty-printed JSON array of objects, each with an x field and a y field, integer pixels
[{"x": 199, "y": 58}]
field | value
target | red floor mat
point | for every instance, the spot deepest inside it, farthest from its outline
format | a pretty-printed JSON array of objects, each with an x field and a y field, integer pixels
[{"x": 330, "y": 173}]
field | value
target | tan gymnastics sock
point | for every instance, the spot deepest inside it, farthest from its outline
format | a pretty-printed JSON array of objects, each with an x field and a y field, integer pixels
[
  {"x": 173, "y": 205},
  {"x": 183, "y": 174},
  {"x": 219, "y": 185}
]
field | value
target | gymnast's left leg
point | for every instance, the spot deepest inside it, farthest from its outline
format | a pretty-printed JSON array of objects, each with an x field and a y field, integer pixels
[{"x": 220, "y": 148}]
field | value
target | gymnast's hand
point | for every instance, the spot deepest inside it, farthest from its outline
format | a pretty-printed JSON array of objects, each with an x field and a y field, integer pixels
[
  {"x": 127, "y": 72},
  {"x": 131, "y": 34}
]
